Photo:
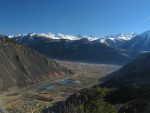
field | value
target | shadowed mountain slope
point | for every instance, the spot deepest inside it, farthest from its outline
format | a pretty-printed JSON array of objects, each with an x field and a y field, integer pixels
[{"x": 134, "y": 73}]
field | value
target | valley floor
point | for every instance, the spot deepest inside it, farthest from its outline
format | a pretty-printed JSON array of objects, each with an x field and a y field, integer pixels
[{"x": 34, "y": 98}]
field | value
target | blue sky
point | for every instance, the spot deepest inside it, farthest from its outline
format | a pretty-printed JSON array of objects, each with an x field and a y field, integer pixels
[{"x": 92, "y": 17}]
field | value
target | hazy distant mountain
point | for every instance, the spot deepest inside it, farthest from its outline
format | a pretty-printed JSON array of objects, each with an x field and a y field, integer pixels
[
  {"x": 140, "y": 43},
  {"x": 69, "y": 47},
  {"x": 21, "y": 66}
]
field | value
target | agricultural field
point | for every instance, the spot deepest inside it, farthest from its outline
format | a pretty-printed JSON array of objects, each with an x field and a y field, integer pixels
[{"x": 35, "y": 98}]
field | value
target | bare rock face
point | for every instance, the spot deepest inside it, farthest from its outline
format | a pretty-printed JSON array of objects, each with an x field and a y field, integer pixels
[{"x": 22, "y": 67}]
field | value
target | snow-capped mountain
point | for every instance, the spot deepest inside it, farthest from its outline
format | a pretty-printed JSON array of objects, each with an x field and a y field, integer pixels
[
  {"x": 140, "y": 43},
  {"x": 122, "y": 36},
  {"x": 117, "y": 40},
  {"x": 111, "y": 40},
  {"x": 43, "y": 36}
]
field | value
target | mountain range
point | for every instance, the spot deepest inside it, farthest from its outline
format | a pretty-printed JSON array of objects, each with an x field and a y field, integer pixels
[
  {"x": 112, "y": 40},
  {"x": 78, "y": 47},
  {"x": 124, "y": 46}
]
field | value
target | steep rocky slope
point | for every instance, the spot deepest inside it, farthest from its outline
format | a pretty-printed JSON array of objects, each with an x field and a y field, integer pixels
[
  {"x": 132, "y": 84},
  {"x": 21, "y": 66}
]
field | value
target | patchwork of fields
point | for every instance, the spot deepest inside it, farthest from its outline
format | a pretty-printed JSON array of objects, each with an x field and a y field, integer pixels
[{"x": 35, "y": 98}]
